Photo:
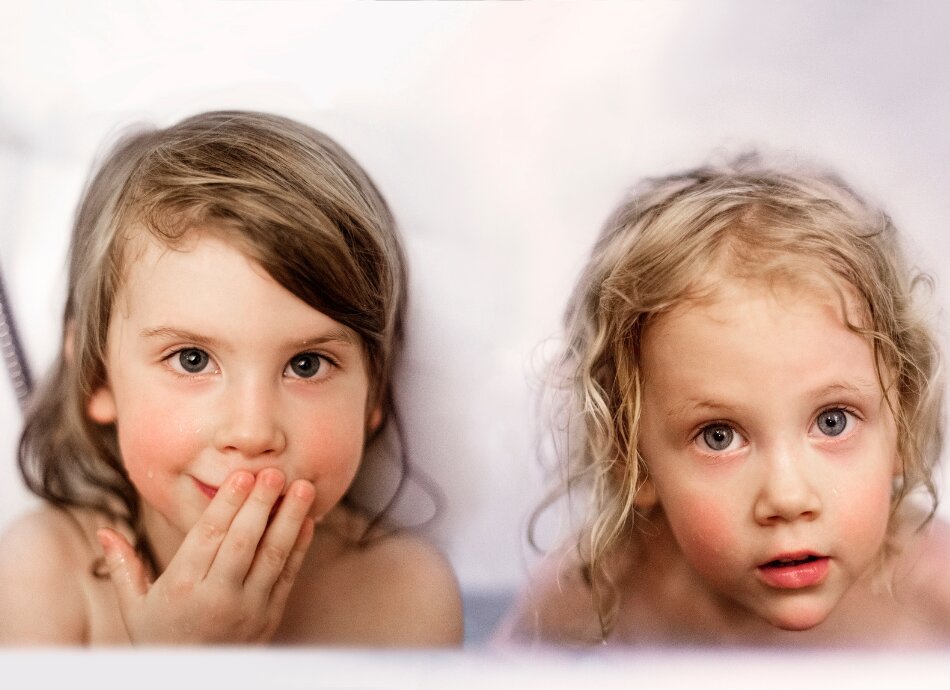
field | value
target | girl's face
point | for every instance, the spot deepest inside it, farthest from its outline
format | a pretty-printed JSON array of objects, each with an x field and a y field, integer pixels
[
  {"x": 213, "y": 367},
  {"x": 770, "y": 447}
]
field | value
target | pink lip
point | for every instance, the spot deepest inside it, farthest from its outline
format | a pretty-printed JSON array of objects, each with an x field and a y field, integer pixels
[
  {"x": 208, "y": 491},
  {"x": 795, "y": 570}
]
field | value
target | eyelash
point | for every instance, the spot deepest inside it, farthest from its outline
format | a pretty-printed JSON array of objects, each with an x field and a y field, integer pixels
[
  {"x": 850, "y": 411},
  {"x": 170, "y": 360},
  {"x": 696, "y": 438}
]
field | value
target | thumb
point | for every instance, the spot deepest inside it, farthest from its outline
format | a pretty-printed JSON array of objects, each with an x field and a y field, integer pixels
[{"x": 128, "y": 573}]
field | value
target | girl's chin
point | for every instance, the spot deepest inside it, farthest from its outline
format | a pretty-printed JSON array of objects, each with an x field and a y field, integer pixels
[{"x": 799, "y": 618}]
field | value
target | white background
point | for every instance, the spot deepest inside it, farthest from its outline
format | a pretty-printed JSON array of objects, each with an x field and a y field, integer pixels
[{"x": 502, "y": 135}]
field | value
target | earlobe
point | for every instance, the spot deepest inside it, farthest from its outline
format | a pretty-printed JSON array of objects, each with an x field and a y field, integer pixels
[
  {"x": 69, "y": 340},
  {"x": 101, "y": 406},
  {"x": 375, "y": 419},
  {"x": 645, "y": 499},
  {"x": 898, "y": 470}
]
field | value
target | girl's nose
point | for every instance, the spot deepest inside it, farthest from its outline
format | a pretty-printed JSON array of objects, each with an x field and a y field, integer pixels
[
  {"x": 788, "y": 489},
  {"x": 250, "y": 425}
]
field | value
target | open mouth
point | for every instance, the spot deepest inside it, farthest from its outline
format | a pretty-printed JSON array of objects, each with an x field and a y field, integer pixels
[
  {"x": 795, "y": 571},
  {"x": 784, "y": 562}
]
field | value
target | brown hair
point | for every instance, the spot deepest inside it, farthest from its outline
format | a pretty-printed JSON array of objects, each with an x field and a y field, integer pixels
[
  {"x": 658, "y": 249},
  {"x": 289, "y": 196}
]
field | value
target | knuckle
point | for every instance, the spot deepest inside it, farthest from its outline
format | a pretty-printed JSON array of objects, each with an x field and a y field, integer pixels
[
  {"x": 262, "y": 499},
  {"x": 287, "y": 576},
  {"x": 181, "y": 588},
  {"x": 210, "y": 531},
  {"x": 221, "y": 607},
  {"x": 239, "y": 543},
  {"x": 274, "y": 555}
]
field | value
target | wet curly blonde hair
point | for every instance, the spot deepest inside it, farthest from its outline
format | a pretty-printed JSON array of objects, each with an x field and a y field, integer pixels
[{"x": 659, "y": 248}]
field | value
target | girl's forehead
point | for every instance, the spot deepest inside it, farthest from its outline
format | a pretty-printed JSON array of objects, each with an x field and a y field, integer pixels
[
  {"x": 145, "y": 258},
  {"x": 731, "y": 294},
  {"x": 141, "y": 247}
]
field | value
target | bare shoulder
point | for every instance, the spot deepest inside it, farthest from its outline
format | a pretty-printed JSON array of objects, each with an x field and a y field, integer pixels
[
  {"x": 920, "y": 580},
  {"x": 555, "y": 607},
  {"x": 45, "y": 557},
  {"x": 393, "y": 589}
]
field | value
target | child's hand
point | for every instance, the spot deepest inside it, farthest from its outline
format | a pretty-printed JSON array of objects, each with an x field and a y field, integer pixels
[{"x": 230, "y": 579}]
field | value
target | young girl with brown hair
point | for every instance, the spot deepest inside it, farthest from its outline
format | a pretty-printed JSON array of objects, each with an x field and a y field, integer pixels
[{"x": 235, "y": 306}]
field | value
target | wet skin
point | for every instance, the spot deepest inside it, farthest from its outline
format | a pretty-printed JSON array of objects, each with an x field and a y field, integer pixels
[{"x": 241, "y": 414}]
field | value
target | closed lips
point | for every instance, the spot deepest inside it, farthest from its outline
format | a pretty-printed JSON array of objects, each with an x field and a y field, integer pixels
[{"x": 206, "y": 489}]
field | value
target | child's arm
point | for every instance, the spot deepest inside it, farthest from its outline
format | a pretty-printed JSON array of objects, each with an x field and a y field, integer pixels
[
  {"x": 230, "y": 579},
  {"x": 43, "y": 560}
]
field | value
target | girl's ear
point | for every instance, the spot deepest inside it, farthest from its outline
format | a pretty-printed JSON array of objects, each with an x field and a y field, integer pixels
[
  {"x": 898, "y": 469},
  {"x": 101, "y": 406},
  {"x": 374, "y": 419},
  {"x": 69, "y": 341},
  {"x": 646, "y": 499}
]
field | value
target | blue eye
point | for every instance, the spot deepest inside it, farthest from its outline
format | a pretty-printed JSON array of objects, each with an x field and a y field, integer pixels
[
  {"x": 305, "y": 365},
  {"x": 718, "y": 436},
  {"x": 832, "y": 422},
  {"x": 193, "y": 360}
]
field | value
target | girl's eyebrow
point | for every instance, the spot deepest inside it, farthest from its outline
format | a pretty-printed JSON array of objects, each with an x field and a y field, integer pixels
[
  {"x": 178, "y": 334},
  {"x": 692, "y": 405},
  {"x": 340, "y": 336},
  {"x": 860, "y": 388}
]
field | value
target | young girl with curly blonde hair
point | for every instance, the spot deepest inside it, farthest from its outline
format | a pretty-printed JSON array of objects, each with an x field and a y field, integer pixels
[{"x": 754, "y": 408}]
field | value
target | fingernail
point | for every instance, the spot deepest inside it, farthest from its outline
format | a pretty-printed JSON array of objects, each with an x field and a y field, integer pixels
[
  {"x": 105, "y": 541},
  {"x": 304, "y": 490},
  {"x": 273, "y": 478},
  {"x": 242, "y": 481}
]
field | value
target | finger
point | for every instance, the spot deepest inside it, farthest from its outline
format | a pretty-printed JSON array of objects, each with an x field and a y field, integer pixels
[
  {"x": 128, "y": 573},
  {"x": 200, "y": 546},
  {"x": 281, "y": 539},
  {"x": 237, "y": 551},
  {"x": 285, "y": 581}
]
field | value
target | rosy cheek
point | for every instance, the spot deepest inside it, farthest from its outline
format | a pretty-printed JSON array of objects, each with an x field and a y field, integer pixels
[
  {"x": 704, "y": 532},
  {"x": 155, "y": 438},
  {"x": 331, "y": 455},
  {"x": 864, "y": 518}
]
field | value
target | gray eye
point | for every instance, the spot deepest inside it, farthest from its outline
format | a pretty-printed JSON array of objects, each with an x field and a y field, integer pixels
[
  {"x": 832, "y": 422},
  {"x": 305, "y": 365},
  {"x": 718, "y": 436},
  {"x": 193, "y": 360}
]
